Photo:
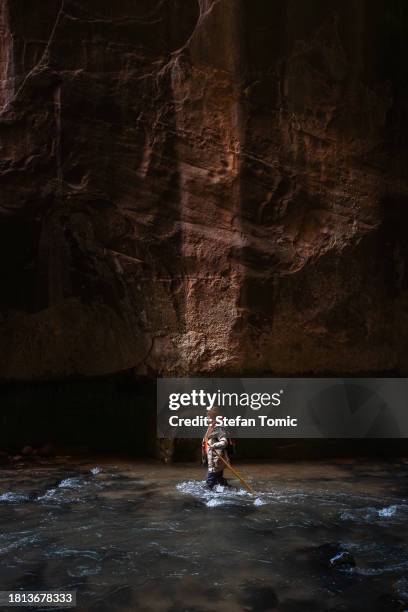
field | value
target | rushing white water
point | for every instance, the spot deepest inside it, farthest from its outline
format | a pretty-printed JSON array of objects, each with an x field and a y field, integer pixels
[{"x": 220, "y": 495}]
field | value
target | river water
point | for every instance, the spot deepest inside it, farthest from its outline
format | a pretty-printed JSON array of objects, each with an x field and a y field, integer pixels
[{"x": 142, "y": 536}]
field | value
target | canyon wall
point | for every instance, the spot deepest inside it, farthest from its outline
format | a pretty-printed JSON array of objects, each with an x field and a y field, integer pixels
[{"x": 201, "y": 186}]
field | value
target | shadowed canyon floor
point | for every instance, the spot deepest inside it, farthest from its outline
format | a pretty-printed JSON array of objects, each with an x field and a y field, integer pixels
[{"x": 142, "y": 536}]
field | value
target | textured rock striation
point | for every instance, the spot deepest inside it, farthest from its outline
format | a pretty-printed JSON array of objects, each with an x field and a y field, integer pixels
[{"x": 198, "y": 186}]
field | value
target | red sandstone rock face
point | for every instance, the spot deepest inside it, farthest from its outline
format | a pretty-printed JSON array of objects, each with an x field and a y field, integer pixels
[{"x": 196, "y": 187}]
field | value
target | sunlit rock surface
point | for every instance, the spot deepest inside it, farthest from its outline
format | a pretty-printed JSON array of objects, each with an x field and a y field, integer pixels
[{"x": 203, "y": 186}]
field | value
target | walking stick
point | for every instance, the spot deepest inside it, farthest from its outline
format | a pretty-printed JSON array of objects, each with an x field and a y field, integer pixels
[{"x": 229, "y": 466}]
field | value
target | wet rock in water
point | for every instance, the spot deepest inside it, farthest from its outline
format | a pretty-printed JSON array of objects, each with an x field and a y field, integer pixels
[
  {"x": 332, "y": 554},
  {"x": 342, "y": 559},
  {"x": 46, "y": 451},
  {"x": 27, "y": 450}
]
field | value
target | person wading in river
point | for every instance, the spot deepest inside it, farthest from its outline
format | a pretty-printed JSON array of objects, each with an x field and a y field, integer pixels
[{"x": 214, "y": 445}]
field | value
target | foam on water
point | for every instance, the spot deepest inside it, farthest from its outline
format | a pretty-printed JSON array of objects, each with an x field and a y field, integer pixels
[
  {"x": 219, "y": 496},
  {"x": 17, "y": 541},
  {"x": 298, "y": 498},
  {"x": 51, "y": 494},
  {"x": 212, "y": 503},
  {"x": 390, "y": 511},
  {"x": 59, "y": 495},
  {"x": 70, "y": 483},
  {"x": 13, "y": 498},
  {"x": 370, "y": 514},
  {"x": 378, "y": 571}
]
